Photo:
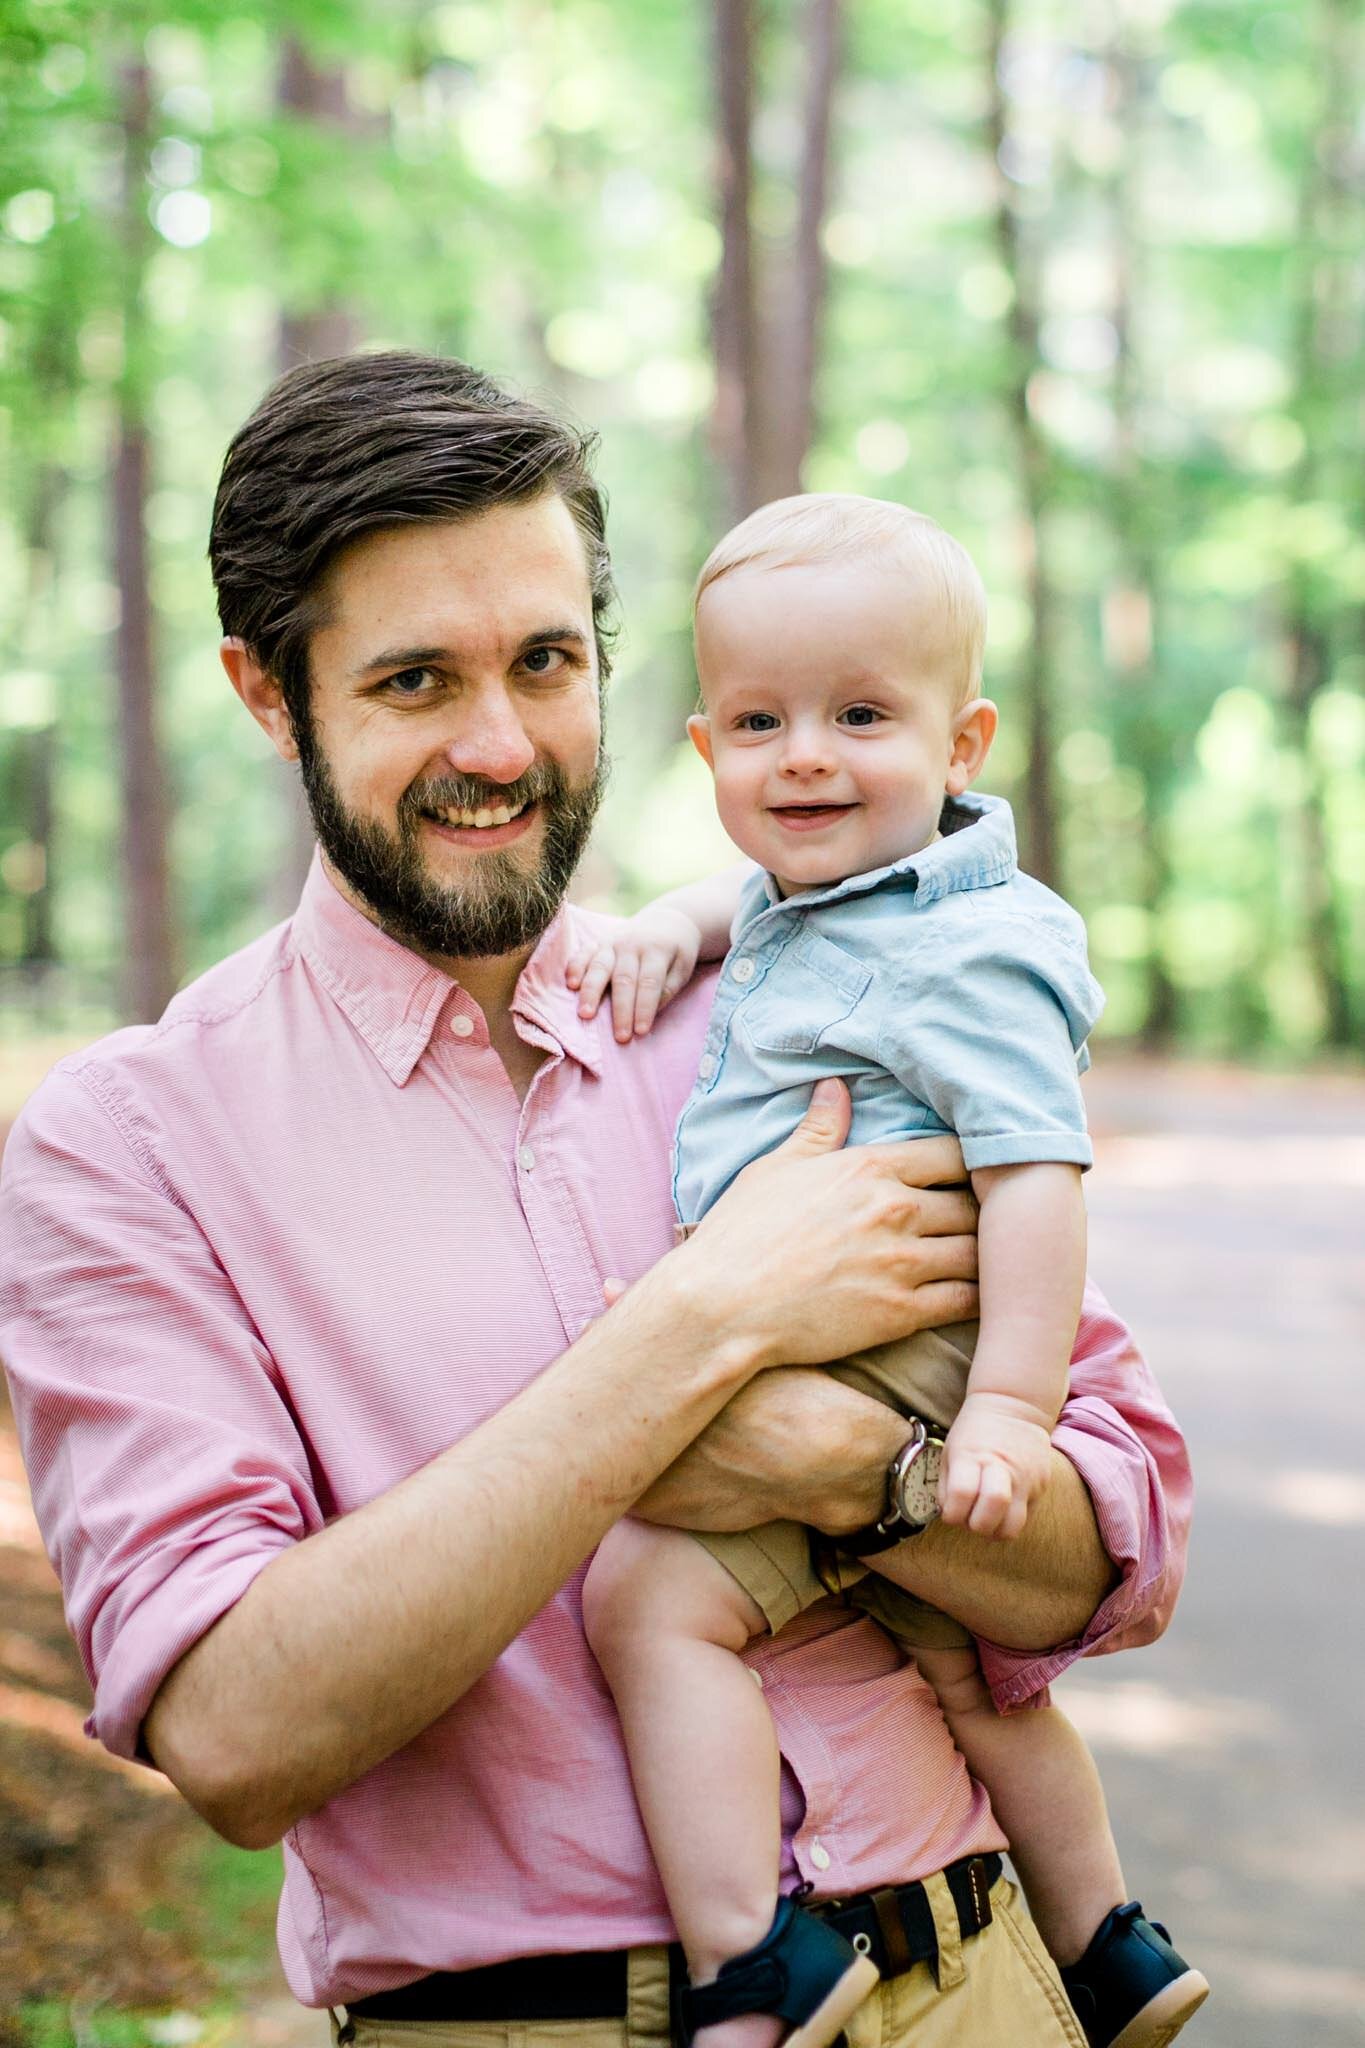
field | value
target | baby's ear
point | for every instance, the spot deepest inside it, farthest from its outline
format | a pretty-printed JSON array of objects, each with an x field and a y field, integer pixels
[
  {"x": 973, "y": 730},
  {"x": 699, "y": 732}
]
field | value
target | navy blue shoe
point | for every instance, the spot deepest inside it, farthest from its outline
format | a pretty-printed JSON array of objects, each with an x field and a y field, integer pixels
[
  {"x": 1130, "y": 1989},
  {"x": 802, "y": 1971}
]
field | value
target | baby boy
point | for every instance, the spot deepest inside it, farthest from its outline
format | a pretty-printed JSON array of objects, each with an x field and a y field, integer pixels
[{"x": 886, "y": 938}]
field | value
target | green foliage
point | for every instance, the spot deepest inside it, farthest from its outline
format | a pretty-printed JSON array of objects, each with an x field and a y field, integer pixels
[
  {"x": 224, "y": 1902},
  {"x": 529, "y": 184}
]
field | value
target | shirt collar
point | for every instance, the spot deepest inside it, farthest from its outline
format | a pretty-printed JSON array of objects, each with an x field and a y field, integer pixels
[
  {"x": 961, "y": 858},
  {"x": 394, "y": 998}
]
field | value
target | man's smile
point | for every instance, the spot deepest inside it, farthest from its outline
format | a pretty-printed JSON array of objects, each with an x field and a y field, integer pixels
[{"x": 490, "y": 826}]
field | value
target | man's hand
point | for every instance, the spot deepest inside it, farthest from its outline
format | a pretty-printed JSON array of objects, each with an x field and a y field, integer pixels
[
  {"x": 816, "y": 1252},
  {"x": 792, "y": 1445},
  {"x": 645, "y": 963}
]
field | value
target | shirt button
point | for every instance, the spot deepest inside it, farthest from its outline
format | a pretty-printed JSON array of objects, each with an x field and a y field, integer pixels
[
  {"x": 743, "y": 970},
  {"x": 819, "y": 1855},
  {"x": 463, "y": 1027},
  {"x": 526, "y": 1159},
  {"x": 706, "y": 1067}
]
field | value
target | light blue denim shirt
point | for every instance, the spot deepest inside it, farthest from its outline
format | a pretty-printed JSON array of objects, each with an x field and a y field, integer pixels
[{"x": 951, "y": 992}]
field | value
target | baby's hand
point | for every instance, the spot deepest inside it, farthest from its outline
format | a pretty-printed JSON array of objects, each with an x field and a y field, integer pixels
[
  {"x": 995, "y": 1465},
  {"x": 646, "y": 962}
]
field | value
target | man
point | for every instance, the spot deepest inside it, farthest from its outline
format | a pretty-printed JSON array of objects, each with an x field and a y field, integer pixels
[{"x": 302, "y": 1303}]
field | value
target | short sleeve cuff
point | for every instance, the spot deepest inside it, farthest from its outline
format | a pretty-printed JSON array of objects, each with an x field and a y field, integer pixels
[{"x": 1028, "y": 1148}]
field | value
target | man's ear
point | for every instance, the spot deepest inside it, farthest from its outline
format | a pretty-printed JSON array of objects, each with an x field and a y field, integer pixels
[
  {"x": 261, "y": 695},
  {"x": 699, "y": 732},
  {"x": 973, "y": 731}
]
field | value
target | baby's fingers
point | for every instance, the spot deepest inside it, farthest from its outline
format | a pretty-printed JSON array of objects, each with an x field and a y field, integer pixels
[
  {"x": 1015, "y": 1518},
  {"x": 623, "y": 984},
  {"x": 957, "y": 1488},
  {"x": 652, "y": 990},
  {"x": 994, "y": 1496},
  {"x": 589, "y": 973}
]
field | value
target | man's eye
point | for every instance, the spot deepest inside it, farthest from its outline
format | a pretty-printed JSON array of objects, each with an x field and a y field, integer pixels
[
  {"x": 545, "y": 661},
  {"x": 861, "y": 714},
  {"x": 757, "y": 721},
  {"x": 409, "y": 682}
]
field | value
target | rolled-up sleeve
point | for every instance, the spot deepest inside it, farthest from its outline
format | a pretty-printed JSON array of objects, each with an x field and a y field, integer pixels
[
  {"x": 166, "y": 1470},
  {"x": 1123, "y": 1440}
]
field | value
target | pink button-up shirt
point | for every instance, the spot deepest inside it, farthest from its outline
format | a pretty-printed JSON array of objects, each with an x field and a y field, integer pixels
[{"x": 264, "y": 1259}]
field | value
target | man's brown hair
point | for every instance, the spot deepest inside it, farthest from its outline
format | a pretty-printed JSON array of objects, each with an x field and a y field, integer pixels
[{"x": 342, "y": 448}]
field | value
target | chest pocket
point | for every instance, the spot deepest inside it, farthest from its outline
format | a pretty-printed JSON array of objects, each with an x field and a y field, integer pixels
[{"x": 812, "y": 986}]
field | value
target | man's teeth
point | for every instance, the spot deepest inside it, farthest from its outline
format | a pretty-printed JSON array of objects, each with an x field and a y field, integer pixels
[{"x": 479, "y": 819}]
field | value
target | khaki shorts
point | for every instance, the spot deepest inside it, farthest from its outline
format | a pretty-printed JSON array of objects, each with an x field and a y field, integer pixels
[
  {"x": 997, "y": 1990},
  {"x": 778, "y": 1565}
]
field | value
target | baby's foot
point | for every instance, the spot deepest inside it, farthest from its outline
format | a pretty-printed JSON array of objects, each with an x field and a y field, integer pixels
[
  {"x": 1131, "y": 1989},
  {"x": 820, "y": 1980}
]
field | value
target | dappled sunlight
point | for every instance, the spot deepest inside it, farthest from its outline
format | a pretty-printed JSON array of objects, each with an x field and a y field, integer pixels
[
  {"x": 1257, "y": 1981},
  {"x": 38, "y": 1713},
  {"x": 1334, "y": 1500},
  {"x": 17, "y": 1526},
  {"x": 1327, "y": 1497},
  {"x": 1152, "y": 1721},
  {"x": 1245, "y": 1164}
]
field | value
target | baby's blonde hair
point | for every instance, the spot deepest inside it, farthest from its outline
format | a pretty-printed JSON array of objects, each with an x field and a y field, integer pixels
[{"x": 823, "y": 526}]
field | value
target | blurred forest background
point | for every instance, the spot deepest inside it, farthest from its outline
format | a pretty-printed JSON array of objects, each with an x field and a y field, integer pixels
[{"x": 1084, "y": 282}]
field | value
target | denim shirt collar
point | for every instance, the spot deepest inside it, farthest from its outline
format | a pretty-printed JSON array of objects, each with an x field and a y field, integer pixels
[{"x": 977, "y": 849}]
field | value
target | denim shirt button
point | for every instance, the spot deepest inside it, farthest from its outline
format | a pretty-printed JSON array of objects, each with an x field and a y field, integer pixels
[
  {"x": 743, "y": 970},
  {"x": 706, "y": 1067}
]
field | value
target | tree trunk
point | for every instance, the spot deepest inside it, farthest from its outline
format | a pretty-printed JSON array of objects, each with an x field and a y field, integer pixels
[
  {"x": 1040, "y": 832},
  {"x": 307, "y": 93},
  {"x": 37, "y": 764},
  {"x": 733, "y": 338},
  {"x": 1133, "y": 609},
  {"x": 786, "y": 394},
  {"x": 149, "y": 967},
  {"x": 1324, "y": 287}
]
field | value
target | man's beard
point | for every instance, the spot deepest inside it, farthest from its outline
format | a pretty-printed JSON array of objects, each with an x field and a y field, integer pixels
[{"x": 498, "y": 907}]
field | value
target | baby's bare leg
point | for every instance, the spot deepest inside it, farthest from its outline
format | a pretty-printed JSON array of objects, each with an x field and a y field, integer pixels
[
  {"x": 666, "y": 1623},
  {"x": 1047, "y": 1797}
]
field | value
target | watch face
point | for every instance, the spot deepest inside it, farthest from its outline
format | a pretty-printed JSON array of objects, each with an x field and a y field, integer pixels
[{"x": 918, "y": 1489}]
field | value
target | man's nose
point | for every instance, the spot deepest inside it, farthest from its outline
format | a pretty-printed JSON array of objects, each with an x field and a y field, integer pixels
[{"x": 490, "y": 739}]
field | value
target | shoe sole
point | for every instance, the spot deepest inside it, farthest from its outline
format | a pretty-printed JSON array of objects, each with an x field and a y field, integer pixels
[
  {"x": 828, "y": 2020},
  {"x": 1163, "y": 2016}
]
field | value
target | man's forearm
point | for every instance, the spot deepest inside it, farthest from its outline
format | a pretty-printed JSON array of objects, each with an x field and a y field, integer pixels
[
  {"x": 350, "y": 1643},
  {"x": 798, "y": 1444},
  {"x": 1040, "y": 1589}
]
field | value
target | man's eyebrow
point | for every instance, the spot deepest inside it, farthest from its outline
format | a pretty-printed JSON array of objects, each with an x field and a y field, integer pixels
[
  {"x": 400, "y": 657},
  {"x": 397, "y": 658},
  {"x": 543, "y": 635}
]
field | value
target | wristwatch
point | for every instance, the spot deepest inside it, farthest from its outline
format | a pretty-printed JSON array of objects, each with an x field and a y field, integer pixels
[{"x": 911, "y": 1494}]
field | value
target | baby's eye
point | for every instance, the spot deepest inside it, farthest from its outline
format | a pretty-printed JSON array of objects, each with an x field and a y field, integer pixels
[
  {"x": 861, "y": 714},
  {"x": 757, "y": 721}
]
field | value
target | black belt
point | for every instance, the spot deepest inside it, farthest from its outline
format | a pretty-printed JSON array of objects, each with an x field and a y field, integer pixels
[{"x": 894, "y": 1926}]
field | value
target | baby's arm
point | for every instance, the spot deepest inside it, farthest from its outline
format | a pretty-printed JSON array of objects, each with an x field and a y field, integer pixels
[
  {"x": 652, "y": 955},
  {"x": 1032, "y": 1263}
]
